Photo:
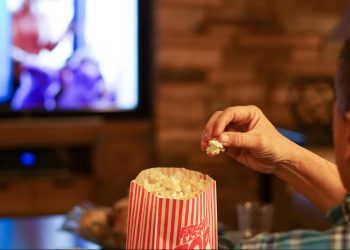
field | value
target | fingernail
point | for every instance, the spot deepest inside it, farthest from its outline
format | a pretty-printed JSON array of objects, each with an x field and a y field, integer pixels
[{"x": 224, "y": 138}]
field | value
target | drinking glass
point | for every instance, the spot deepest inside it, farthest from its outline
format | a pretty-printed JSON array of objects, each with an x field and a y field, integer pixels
[{"x": 254, "y": 218}]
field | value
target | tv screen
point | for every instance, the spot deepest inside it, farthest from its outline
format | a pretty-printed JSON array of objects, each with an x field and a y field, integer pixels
[{"x": 72, "y": 56}]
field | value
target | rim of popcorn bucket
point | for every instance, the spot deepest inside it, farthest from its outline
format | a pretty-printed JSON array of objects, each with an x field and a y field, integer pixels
[{"x": 187, "y": 172}]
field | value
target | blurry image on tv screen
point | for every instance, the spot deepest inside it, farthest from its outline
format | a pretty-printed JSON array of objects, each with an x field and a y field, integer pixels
[{"x": 78, "y": 55}]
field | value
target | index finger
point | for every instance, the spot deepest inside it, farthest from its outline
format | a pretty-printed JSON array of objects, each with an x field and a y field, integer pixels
[
  {"x": 238, "y": 114},
  {"x": 208, "y": 131}
]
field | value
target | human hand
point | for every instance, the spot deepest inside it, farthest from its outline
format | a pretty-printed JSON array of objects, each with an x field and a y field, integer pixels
[{"x": 249, "y": 137}]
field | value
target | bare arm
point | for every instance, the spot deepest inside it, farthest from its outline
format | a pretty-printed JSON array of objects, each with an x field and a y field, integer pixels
[{"x": 314, "y": 177}]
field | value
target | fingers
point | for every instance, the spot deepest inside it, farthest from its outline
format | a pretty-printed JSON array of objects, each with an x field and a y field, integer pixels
[
  {"x": 208, "y": 131},
  {"x": 239, "y": 140},
  {"x": 239, "y": 114},
  {"x": 210, "y": 124},
  {"x": 240, "y": 118}
]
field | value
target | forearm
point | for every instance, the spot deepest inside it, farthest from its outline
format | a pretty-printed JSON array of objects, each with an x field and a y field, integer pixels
[{"x": 313, "y": 176}]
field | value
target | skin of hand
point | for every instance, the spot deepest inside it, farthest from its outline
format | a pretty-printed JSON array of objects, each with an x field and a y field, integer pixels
[{"x": 249, "y": 137}]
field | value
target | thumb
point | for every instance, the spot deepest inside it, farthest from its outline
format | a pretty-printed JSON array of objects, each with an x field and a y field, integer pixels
[{"x": 238, "y": 140}]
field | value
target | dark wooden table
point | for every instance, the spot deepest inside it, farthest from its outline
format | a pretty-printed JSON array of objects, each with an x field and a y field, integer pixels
[{"x": 39, "y": 233}]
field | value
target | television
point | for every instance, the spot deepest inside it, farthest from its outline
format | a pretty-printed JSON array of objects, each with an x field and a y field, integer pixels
[{"x": 75, "y": 57}]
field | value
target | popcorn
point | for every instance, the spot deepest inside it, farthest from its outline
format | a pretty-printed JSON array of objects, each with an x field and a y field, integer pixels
[
  {"x": 179, "y": 185},
  {"x": 215, "y": 148}
]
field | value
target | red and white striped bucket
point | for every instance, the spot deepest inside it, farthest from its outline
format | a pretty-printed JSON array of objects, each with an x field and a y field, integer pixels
[{"x": 162, "y": 223}]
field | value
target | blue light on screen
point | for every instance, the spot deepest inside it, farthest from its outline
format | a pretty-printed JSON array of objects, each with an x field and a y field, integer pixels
[
  {"x": 28, "y": 159},
  {"x": 5, "y": 61}
]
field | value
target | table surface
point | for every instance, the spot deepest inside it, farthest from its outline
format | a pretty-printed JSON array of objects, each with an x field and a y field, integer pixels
[{"x": 41, "y": 232}]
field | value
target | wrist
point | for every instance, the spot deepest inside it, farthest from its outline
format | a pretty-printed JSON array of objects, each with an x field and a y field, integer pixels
[{"x": 291, "y": 161}]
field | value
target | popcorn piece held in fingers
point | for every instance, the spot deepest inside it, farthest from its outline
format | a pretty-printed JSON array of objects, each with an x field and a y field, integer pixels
[{"x": 215, "y": 148}]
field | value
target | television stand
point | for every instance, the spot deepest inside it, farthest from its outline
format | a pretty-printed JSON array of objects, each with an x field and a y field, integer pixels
[{"x": 103, "y": 157}]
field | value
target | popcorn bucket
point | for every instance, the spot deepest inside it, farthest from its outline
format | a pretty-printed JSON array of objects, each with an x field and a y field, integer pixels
[{"x": 165, "y": 223}]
